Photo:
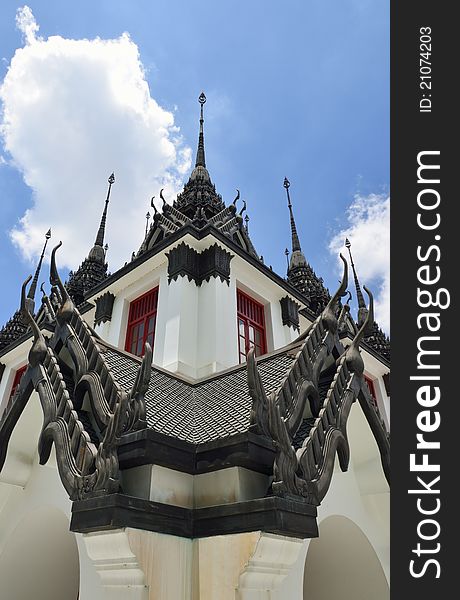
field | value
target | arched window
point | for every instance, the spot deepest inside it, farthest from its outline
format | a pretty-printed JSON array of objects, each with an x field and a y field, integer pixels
[
  {"x": 142, "y": 320},
  {"x": 251, "y": 326}
]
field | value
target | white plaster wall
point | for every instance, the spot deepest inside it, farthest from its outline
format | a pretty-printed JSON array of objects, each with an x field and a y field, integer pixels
[
  {"x": 27, "y": 571},
  {"x": 368, "y": 509},
  {"x": 26, "y": 486},
  {"x": 257, "y": 285},
  {"x": 43, "y": 489},
  {"x": 103, "y": 329},
  {"x": 276, "y": 568},
  {"x": 221, "y": 559},
  {"x": 178, "y": 330},
  {"x": 196, "y": 332},
  {"x": 217, "y": 343},
  {"x": 342, "y": 563},
  {"x": 167, "y": 562},
  {"x": 13, "y": 360},
  {"x": 383, "y": 401},
  {"x": 128, "y": 288}
]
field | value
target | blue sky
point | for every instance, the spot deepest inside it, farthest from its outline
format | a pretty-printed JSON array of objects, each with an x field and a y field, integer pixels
[{"x": 297, "y": 89}]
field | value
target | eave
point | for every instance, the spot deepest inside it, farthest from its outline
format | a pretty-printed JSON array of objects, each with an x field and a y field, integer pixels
[
  {"x": 246, "y": 450},
  {"x": 200, "y": 234},
  {"x": 282, "y": 516}
]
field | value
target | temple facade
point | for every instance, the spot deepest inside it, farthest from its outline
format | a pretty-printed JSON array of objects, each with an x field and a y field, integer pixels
[{"x": 194, "y": 426}]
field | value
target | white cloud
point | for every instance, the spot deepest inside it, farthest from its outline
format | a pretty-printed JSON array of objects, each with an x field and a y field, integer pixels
[
  {"x": 26, "y": 23},
  {"x": 368, "y": 230},
  {"x": 73, "y": 112}
]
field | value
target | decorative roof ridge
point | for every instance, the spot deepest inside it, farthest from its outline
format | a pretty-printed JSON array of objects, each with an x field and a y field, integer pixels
[{"x": 200, "y": 234}]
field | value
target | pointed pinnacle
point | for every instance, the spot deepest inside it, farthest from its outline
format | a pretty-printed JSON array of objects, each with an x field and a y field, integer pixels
[
  {"x": 359, "y": 294},
  {"x": 33, "y": 285},
  {"x": 200, "y": 156},
  {"x": 101, "y": 232},
  {"x": 294, "y": 235}
]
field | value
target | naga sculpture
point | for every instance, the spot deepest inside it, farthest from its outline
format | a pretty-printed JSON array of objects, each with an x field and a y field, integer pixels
[
  {"x": 307, "y": 472},
  {"x": 86, "y": 467}
]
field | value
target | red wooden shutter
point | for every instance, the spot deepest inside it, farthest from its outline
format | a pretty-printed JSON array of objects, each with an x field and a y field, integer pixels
[
  {"x": 17, "y": 378},
  {"x": 371, "y": 387},
  {"x": 142, "y": 322},
  {"x": 251, "y": 326}
]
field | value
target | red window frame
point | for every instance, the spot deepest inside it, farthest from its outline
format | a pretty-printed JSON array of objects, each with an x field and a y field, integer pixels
[
  {"x": 250, "y": 323},
  {"x": 371, "y": 387},
  {"x": 17, "y": 379},
  {"x": 142, "y": 318}
]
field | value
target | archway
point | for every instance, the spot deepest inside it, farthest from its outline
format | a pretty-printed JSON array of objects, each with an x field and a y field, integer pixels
[
  {"x": 40, "y": 559},
  {"x": 341, "y": 563}
]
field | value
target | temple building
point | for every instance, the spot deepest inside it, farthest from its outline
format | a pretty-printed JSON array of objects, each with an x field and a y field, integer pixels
[{"x": 194, "y": 426}]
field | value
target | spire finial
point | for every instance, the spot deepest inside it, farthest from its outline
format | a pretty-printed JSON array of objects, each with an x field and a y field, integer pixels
[
  {"x": 100, "y": 234},
  {"x": 295, "y": 237},
  {"x": 286, "y": 254},
  {"x": 147, "y": 218},
  {"x": 362, "y": 309},
  {"x": 200, "y": 158},
  {"x": 33, "y": 285}
]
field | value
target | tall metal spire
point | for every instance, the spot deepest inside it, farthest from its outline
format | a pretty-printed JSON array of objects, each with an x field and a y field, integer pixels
[
  {"x": 33, "y": 285},
  {"x": 200, "y": 158},
  {"x": 100, "y": 234},
  {"x": 362, "y": 310},
  {"x": 295, "y": 237}
]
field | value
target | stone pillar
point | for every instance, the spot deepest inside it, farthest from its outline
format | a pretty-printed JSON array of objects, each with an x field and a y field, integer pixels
[
  {"x": 217, "y": 347},
  {"x": 274, "y": 571},
  {"x": 121, "y": 576}
]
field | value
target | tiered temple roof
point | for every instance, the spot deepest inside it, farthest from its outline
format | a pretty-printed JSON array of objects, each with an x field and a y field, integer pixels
[
  {"x": 107, "y": 411},
  {"x": 199, "y": 206},
  {"x": 300, "y": 274},
  {"x": 17, "y": 326},
  {"x": 93, "y": 270}
]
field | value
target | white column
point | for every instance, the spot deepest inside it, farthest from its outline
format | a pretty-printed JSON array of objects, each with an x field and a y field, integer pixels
[
  {"x": 176, "y": 329},
  {"x": 383, "y": 401},
  {"x": 167, "y": 561},
  {"x": 281, "y": 335},
  {"x": 220, "y": 560},
  {"x": 274, "y": 571},
  {"x": 217, "y": 342},
  {"x": 121, "y": 576}
]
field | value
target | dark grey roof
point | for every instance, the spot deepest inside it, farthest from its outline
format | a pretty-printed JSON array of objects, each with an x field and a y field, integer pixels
[{"x": 213, "y": 408}]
